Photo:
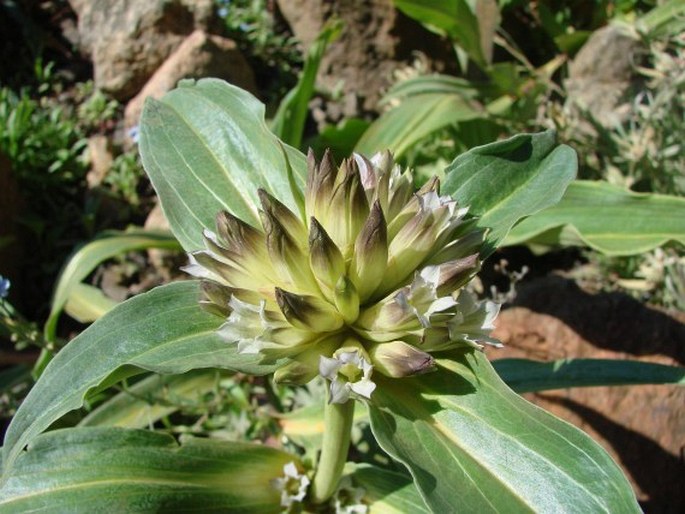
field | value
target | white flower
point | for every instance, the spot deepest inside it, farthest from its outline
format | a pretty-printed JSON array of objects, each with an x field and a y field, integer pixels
[
  {"x": 293, "y": 485},
  {"x": 349, "y": 373},
  {"x": 348, "y": 499}
]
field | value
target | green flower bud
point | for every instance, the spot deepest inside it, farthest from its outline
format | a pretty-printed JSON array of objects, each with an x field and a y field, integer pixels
[
  {"x": 320, "y": 182},
  {"x": 236, "y": 235},
  {"x": 325, "y": 258},
  {"x": 215, "y": 298},
  {"x": 370, "y": 254},
  {"x": 290, "y": 223},
  {"x": 308, "y": 312},
  {"x": 398, "y": 359},
  {"x": 346, "y": 299},
  {"x": 348, "y": 208},
  {"x": 454, "y": 274},
  {"x": 287, "y": 256}
]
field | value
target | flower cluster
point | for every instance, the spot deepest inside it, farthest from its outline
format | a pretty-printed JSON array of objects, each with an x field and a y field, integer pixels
[{"x": 372, "y": 281}]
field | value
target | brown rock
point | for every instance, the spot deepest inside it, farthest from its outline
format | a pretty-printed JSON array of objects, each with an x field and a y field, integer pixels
[
  {"x": 642, "y": 427},
  {"x": 200, "y": 55},
  {"x": 601, "y": 74},
  {"x": 376, "y": 40},
  {"x": 129, "y": 39}
]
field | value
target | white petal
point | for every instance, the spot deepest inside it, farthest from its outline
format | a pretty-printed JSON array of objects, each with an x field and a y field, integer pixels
[
  {"x": 363, "y": 388},
  {"x": 328, "y": 368},
  {"x": 339, "y": 393}
]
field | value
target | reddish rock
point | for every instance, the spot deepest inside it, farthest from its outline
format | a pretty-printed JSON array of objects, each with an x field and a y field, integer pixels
[
  {"x": 200, "y": 55},
  {"x": 129, "y": 39}
]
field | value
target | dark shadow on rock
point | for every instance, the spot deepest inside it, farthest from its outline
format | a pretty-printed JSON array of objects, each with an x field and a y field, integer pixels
[
  {"x": 613, "y": 321},
  {"x": 658, "y": 473}
]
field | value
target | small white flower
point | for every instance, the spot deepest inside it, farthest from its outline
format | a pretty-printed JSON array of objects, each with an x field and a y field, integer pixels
[
  {"x": 293, "y": 485},
  {"x": 348, "y": 499},
  {"x": 349, "y": 373}
]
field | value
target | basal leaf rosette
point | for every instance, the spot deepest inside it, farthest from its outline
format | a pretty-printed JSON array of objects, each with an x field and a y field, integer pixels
[{"x": 372, "y": 282}]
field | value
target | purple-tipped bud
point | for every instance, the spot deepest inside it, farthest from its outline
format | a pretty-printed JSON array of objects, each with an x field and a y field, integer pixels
[
  {"x": 398, "y": 359},
  {"x": 308, "y": 312},
  {"x": 370, "y": 254},
  {"x": 325, "y": 259}
]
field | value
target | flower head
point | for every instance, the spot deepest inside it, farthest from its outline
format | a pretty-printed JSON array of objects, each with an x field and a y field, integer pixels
[{"x": 372, "y": 279}]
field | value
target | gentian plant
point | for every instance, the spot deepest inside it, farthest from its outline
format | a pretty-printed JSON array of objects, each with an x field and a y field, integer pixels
[{"x": 310, "y": 268}]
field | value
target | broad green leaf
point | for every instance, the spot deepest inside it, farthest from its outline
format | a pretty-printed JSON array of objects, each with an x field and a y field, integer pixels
[
  {"x": 288, "y": 124},
  {"x": 87, "y": 258},
  {"x": 207, "y": 148},
  {"x": 415, "y": 118},
  {"x": 88, "y": 303},
  {"x": 117, "y": 470},
  {"x": 452, "y": 18},
  {"x": 473, "y": 445},
  {"x": 506, "y": 181},
  {"x": 151, "y": 399},
  {"x": 607, "y": 218},
  {"x": 524, "y": 375},
  {"x": 164, "y": 331},
  {"x": 386, "y": 492}
]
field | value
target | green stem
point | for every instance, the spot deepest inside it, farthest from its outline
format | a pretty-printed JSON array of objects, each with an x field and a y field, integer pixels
[{"x": 336, "y": 442}]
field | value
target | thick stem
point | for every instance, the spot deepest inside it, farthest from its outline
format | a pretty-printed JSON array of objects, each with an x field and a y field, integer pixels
[{"x": 336, "y": 442}]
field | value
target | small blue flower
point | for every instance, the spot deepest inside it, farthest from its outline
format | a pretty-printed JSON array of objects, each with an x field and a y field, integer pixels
[
  {"x": 4, "y": 286},
  {"x": 134, "y": 133},
  {"x": 222, "y": 12}
]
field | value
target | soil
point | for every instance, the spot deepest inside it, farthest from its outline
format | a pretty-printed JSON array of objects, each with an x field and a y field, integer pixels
[{"x": 642, "y": 427}]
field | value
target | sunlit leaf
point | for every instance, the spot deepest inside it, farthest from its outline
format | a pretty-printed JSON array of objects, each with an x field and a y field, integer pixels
[
  {"x": 116, "y": 470},
  {"x": 207, "y": 148},
  {"x": 506, "y": 181},
  {"x": 607, "y": 218},
  {"x": 415, "y": 118},
  {"x": 474, "y": 445},
  {"x": 164, "y": 331},
  {"x": 387, "y": 492},
  {"x": 88, "y": 303}
]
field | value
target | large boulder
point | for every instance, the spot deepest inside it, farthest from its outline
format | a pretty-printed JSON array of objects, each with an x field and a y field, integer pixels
[
  {"x": 376, "y": 41},
  {"x": 129, "y": 39},
  {"x": 200, "y": 55}
]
